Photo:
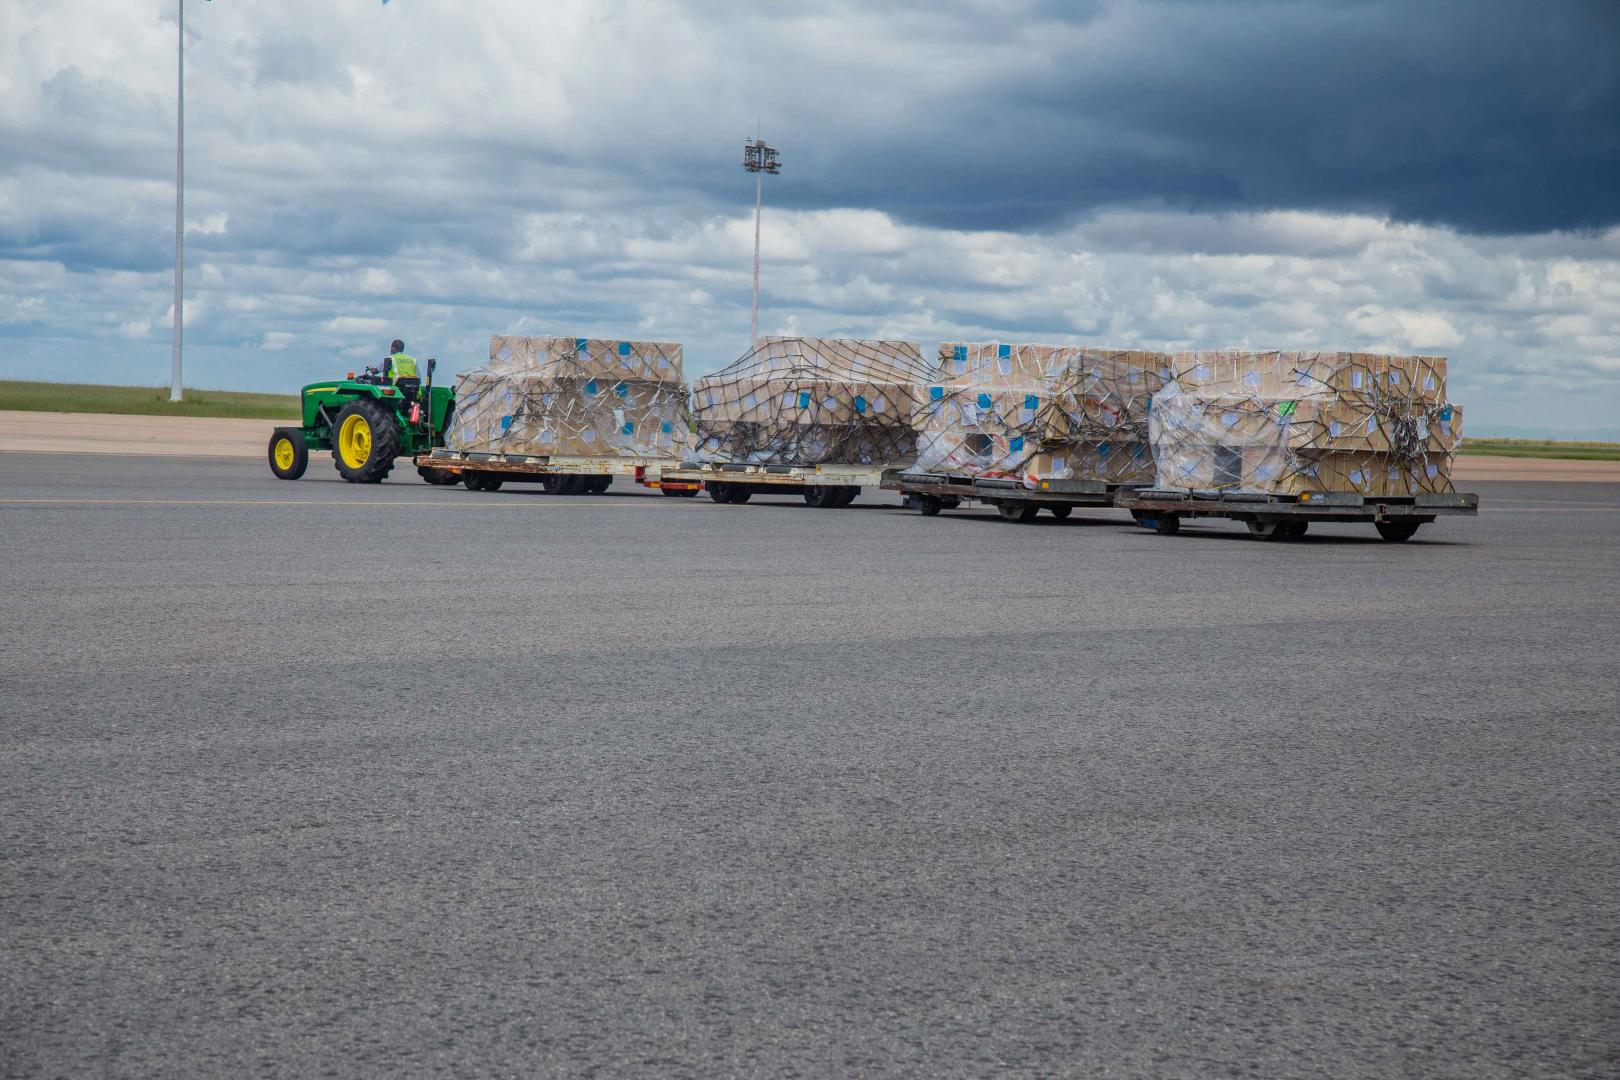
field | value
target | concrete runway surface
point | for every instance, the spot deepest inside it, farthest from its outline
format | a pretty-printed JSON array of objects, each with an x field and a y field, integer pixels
[{"x": 310, "y": 777}]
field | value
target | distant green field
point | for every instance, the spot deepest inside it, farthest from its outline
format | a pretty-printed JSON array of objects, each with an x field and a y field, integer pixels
[
  {"x": 144, "y": 401},
  {"x": 1542, "y": 448}
]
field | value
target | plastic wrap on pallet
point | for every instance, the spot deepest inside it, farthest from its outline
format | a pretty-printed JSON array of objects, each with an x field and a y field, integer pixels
[
  {"x": 811, "y": 401},
  {"x": 1288, "y": 422},
  {"x": 573, "y": 397},
  {"x": 1039, "y": 412}
]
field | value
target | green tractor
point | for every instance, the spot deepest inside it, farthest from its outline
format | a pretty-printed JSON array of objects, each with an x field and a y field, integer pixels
[{"x": 367, "y": 421}]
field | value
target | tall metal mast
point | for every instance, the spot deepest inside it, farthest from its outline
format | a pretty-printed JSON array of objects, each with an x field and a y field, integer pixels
[
  {"x": 179, "y": 207},
  {"x": 758, "y": 159}
]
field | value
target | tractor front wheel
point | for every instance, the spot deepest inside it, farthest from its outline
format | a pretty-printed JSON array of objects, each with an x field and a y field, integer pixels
[
  {"x": 289, "y": 454},
  {"x": 365, "y": 441}
]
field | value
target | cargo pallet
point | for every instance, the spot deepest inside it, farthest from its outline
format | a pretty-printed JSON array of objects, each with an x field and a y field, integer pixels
[
  {"x": 929, "y": 493},
  {"x": 825, "y": 486},
  {"x": 559, "y": 474},
  {"x": 1286, "y": 517}
]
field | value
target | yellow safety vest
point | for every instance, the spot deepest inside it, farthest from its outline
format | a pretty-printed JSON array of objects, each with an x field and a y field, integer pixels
[{"x": 404, "y": 366}]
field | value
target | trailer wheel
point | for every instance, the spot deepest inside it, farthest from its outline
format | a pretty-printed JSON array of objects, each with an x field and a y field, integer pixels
[
  {"x": 289, "y": 454},
  {"x": 950, "y": 502},
  {"x": 720, "y": 493},
  {"x": 677, "y": 493},
  {"x": 1397, "y": 532},
  {"x": 481, "y": 481},
  {"x": 1297, "y": 529},
  {"x": 819, "y": 496},
  {"x": 1019, "y": 512},
  {"x": 1268, "y": 530},
  {"x": 1060, "y": 512},
  {"x": 438, "y": 477},
  {"x": 927, "y": 505},
  {"x": 600, "y": 484},
  {"x": 1163, "y": 524},
  {"x": 848, "y": 494}
]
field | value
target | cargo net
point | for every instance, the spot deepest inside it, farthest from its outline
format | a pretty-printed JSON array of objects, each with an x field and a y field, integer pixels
[
  {"x": 573, "y": 397},
  {"x": 811, "y": 401},
  {"x": 1289, "y": 422},
  {"x": 1040, "y": 412}
]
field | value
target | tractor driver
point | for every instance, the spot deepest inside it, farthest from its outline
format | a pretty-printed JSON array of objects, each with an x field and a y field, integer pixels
[{"x": 402, "y": 365}]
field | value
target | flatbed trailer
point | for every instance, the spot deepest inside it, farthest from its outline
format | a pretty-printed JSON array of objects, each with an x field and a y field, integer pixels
[
  {"x": 929, "y": 493},
  {"x": 824, "y": 486},
  {"x": 559, "y": 474},
  {"x": 1286, "y": 517}
]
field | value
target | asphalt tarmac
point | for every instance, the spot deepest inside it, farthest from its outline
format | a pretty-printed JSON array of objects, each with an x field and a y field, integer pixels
[{"x": 316, "y": 778}]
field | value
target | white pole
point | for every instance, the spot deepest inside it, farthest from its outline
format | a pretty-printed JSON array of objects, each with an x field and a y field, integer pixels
[
  {"x": 179, "y": 205},
  {"x": 759, "y": 183}
]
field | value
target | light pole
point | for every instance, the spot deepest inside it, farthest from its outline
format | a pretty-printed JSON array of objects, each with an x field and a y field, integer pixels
[
  {"x": 758, "y": 159},
  {"x": 179, "y": 205}
]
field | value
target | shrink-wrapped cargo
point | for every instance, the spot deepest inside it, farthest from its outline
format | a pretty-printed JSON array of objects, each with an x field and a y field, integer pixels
[
  {"x": 1039, "y": 411},
  {"x": 1289, "y": 422},
  {"x": 573, "y": 397},
  {"x": 811, "y": 401}
]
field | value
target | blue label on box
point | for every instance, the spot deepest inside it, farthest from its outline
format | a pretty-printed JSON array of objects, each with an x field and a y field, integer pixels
[
  {"x": 959, "y": 354},
  {"x": 1031, "y": 401},
  {"x": 1102, "y": 450},
  {"x": 936, "y": 393},
  {"x": 506, "y": 422},
  {"x": 624, "y": 348},
  {"x": 985, "y": 401},
  {"x": 629, "y": 427},
  {"x": 620, "y": 390},
  {"x": 1003, "y": 351},
  {"x": 1445, "y": 413},
  {"x": 579, "y": 344},
  {"x": 1016, "y": 443},
  {"x": 804, "y": 399},
  {"x": 590, "y": 387},
  {"x": 860, "y": 404},
  {"x": 666, "y": 429}
]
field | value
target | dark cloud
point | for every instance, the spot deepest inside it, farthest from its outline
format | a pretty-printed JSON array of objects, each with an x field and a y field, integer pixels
[{"x": 1492, "y": 116}]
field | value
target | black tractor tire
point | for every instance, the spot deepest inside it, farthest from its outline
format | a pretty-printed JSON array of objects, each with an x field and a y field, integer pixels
[
  {"x": 382, "y": 441},
  {"x": 1397, "y": 532},
  {"x": 1061, "y": 512},
  {"x": 1017, "y": 511},
  {"x": 438, "y": 477},
  {"x": 289, "y": 453}
]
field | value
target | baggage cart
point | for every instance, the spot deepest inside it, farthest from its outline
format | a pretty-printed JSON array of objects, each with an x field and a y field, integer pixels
[
  {"x": 1287, "y": 517},
  {"x": 929, "y": 493}
]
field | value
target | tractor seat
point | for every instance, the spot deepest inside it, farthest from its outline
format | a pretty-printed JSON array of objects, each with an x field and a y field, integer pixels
[{"x": 408, "y": 388}]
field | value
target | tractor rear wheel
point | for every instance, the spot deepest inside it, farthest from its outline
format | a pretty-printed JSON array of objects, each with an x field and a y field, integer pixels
[
  {"x": 289, "y": 454},
  {"x": 365, "y": 441}
]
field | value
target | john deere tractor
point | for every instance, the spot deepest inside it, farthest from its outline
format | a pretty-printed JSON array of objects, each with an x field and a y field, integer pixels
[{"x": 367, "y": 421}]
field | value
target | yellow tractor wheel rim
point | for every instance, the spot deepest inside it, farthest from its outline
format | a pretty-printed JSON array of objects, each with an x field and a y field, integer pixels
[
  {"x": 284, "y": 453},
  {"x": 354, "y": 441}
]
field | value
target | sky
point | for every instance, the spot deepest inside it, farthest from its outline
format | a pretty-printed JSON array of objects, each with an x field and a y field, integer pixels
[{"x": 1440, "y": 177}]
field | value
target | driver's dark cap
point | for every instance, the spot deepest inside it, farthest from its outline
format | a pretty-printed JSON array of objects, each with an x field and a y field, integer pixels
[{"x": 397, "y": 346}]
